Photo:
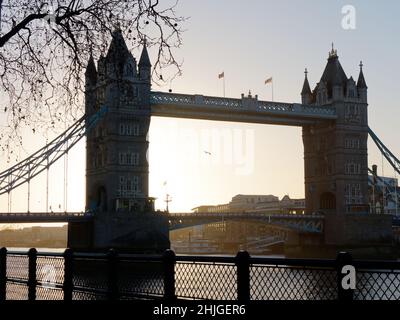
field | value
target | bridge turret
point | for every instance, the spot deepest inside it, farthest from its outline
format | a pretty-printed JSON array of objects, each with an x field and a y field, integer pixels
[
  {"x": 90, "y": 86},
  {"x": 101, "y": 69},
  {"x": 144, "y": 64},
  {"x": 91, "y": 73},
  {"x": 306, "y": 94},
  {"x": 118, "y": 57},
  {"x": 362, "y": 86}
]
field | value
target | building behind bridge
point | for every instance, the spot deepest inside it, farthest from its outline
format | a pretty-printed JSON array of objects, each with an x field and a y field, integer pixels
[
  {"x": 256, "y": 203},
  {"x": 383, "y": 191},
  {"x": 384, "y": 195}
]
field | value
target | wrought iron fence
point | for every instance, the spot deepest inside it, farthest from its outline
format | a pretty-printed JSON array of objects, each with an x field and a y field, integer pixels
[{"x": 112, "y": 276}]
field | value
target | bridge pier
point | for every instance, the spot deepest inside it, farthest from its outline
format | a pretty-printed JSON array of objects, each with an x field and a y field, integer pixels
[
  {"x": 130, "y": 232},
  {"x": 366, "y": 236},
  {"x": 80, "y": 235}
]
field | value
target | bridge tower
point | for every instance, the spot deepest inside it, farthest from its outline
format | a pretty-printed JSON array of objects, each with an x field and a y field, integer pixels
[
  {"x": 117, "y": 168},
  {"x": 336, "y": 158}
]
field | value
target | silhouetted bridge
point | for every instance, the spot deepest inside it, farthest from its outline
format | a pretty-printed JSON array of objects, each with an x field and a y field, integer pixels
[
  {"x": 44, "y": 217},
  {"x": 302, "y": 223}
]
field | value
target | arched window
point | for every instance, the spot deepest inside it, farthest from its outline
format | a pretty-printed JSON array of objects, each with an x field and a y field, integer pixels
[{"x": 101, "y": 198}]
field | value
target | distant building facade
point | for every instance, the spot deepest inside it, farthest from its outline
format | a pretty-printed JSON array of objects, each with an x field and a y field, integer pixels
[
  {"x": 256, "y": 203},
  {"x": 384, "y": 195}
]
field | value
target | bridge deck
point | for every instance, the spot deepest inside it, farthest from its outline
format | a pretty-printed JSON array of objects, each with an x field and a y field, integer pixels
[
  {"x": 246, "y": 109},
  {"x": 42, "y": 217},
  {"x": 303, "y": 223}
]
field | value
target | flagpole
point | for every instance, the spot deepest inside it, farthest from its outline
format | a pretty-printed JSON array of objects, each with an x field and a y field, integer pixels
[
  {"x": 224, "y": 84},
  {"x": 272, "y": 88}
]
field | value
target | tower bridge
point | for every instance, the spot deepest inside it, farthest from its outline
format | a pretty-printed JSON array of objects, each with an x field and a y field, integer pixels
[{"x": 119, "y": 104}]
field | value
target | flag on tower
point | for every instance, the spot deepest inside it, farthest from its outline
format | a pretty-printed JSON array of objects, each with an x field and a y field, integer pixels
[
  {"x": 221, "y": 75},
  {"x": 269, "y": 80}
]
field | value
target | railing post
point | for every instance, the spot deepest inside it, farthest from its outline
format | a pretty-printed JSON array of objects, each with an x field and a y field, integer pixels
[
  {"x": 243, "y": 276},
  {"x": 32, "y": 255},
  {"x": 112, "y": 258},
  {"x": 68, "y": 285},
  {"x": 343, "y": 259},
  {"x": 169, "y": 260},
  {"x": 3, "y": 274}
]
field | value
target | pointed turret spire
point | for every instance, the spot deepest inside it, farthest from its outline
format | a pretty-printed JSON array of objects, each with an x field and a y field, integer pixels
[
  {"x": 306, "y": 85},
  {"x": 333, "y": 53},
  {"x": 361, "y": 84},
  {"x": 144, "y": 58},
  {"x": 91, "y": 72},
  {"x": 118, "y": 49}
]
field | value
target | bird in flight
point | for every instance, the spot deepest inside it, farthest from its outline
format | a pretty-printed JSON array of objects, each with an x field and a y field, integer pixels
[{"x": 207, "y": 152}]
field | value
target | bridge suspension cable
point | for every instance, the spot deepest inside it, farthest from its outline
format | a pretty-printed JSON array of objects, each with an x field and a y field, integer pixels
[
  {"x": 42, "y": 159},
  {"x": 390, "y": 157}
]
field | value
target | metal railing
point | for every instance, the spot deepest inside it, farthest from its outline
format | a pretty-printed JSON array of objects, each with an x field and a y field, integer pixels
[{"x": 113, "y": 276}]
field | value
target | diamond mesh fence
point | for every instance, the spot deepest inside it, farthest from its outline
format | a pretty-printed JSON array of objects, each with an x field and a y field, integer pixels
[
  {"x": 90, "y": 279},
  {"x": 17, "y": 267},
  {"x": 50, "y": 270},
  {"x": 87, "y": 295},
  {"x": 49, "y": 292},
  {"x": 16, "y": 291},
  {"x": 140, "y": 279},
  {"x": 377, "y": 285},
  {"x": 90, "y": 274},
  {"x": 292, "y": 283},
  {"x": 195, "y": 280}
]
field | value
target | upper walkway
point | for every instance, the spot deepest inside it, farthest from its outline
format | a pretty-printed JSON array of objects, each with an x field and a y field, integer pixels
[{"x": 247, "y": 109}]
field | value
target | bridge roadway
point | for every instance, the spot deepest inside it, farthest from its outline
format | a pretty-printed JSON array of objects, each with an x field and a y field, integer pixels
[
  {"x": 302, "y": 223},
  {"x": 305, "y": 223},
  {"x": 44, "y": 217},
  {"x": 247, "y": 109}
]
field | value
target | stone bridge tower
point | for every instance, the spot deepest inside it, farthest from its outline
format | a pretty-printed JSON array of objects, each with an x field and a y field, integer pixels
[
  {"x": 116, "y": 166},
  {"x": 117, "y": 169},
  {"x": 335, "y": 154}
]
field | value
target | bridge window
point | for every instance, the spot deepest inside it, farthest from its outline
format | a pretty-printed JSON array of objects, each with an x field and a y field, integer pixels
[
  {"x": 128, "y": 186},
  {"x": 129, "y": 129},
  {"x": 353, "y": 113},
  {"x": 353, "y": 193},
  {"x": 352, "y": 143},
  {"x": 129, "y": 158},
  {"x": 352, "y": 168},
  {"x": 327, "y": 201}
]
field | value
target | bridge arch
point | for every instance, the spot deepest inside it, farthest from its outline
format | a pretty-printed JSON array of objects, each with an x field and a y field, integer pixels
[
  {"x": 97, "y": 199},
  {"x": 102, "y": 198}
]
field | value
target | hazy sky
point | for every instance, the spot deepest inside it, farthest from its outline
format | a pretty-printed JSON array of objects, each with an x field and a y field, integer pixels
[{"x": 252, "y": 41}]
